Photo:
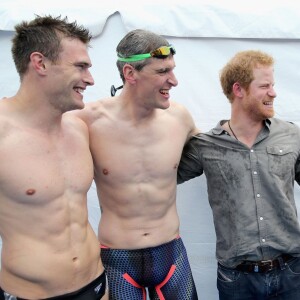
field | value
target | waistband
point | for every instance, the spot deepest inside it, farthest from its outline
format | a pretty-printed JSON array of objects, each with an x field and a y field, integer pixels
[
  {"x": 263, "y": 266},
  {"x": 71, "y": 296},
  {"x": 106, "y": 247}
]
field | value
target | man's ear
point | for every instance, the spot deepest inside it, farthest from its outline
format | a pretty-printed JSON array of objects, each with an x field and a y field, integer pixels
[
  {"x": 129, "y": 73},
  {"x": 237, "y": 90},
  {"x": 38, "y": 62}
]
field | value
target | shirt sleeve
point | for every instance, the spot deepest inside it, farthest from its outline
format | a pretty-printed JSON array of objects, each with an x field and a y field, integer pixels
[
  {"x": 297, "y": 170},
  {"x": 190, "y": 162},
  {"x": 297, "y": 167}
]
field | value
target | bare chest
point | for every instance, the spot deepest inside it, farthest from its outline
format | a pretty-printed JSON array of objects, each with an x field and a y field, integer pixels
[
  {"x": 142, "y": 153},
  {"x": 36, "y": 167}
]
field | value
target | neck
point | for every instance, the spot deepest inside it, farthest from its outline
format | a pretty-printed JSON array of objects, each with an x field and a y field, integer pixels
[
  {"x": 232, "y": 130},
  {"x": 134, "y": 109},
  {"x": 243, "y": 131},
  {"x": 36, "y": 115}
]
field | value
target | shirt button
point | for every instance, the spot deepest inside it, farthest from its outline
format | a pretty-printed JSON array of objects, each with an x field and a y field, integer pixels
[
  {"x": 280, "y": 151},
  {"x": 258, "y": 195},
  {"x": 254, "y": 172},
  {"x": 263, "y": 240},
  {"x": 261, "y": 218},
  {"x": 251, "y": 150}
]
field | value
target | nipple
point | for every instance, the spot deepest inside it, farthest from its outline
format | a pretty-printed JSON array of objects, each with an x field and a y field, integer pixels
[
  {"x": 30, "y": 192},
  {"x": 105, "y": 171}
]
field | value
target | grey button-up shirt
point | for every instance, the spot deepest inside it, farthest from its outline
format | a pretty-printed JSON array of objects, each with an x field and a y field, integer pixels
[{"x": 250, "y": 190}]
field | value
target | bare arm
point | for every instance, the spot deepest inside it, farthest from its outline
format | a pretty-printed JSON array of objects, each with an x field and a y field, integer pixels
[{"x": 188, "y": 120}]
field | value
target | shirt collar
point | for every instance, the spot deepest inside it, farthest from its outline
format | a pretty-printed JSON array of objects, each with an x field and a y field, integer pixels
[{"x": 218, "y": 130}]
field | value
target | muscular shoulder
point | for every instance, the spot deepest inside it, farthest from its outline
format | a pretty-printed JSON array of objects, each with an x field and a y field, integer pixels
[
  {"x": 95, "y": 110},
  {"x": 178, "y": 110},
  {"x": 6, "y": 117},
  {"x": 72, "y": 122},
  {"x": 182, "y": 115}
]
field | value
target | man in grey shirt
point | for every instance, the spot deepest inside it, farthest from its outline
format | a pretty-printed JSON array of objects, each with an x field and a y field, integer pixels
[{"x": 251, "y": 162}]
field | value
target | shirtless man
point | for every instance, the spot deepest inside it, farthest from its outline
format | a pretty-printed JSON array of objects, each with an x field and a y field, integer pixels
[
  {"x": 49, "y": 249},
  {"x": 136, "y": 140}
]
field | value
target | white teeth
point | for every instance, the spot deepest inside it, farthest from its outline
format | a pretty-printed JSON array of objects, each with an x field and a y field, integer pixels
[
  {"x": 79, "y": 90},
  {"x": 165, "y": 92}
]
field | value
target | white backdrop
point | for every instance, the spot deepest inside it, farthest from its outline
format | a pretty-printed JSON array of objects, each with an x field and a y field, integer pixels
[{"x": 205, "y": 34}]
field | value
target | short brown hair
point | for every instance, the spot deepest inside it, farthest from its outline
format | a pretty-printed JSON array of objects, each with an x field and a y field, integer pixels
[
  {"x": 44, "y": 35},
  {"x": 240, "y": 69}
]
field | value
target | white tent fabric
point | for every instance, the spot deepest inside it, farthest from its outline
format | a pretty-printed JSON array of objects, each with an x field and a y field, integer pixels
[{"x": 205, "y": 34}]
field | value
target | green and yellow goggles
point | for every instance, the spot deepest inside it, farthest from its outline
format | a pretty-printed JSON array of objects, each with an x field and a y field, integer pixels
[{"x": 161, "y": 52}]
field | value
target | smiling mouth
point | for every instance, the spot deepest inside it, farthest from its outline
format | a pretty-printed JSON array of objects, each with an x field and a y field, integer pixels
[
  {"x": 268, "y": 103},
  {"x": 164, "y": 92},
  {"x": 79, "y": 90}
]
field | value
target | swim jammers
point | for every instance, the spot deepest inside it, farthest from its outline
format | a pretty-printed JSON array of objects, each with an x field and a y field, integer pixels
[
  {"x": 164, "y": 270},
  {"x": 95, "y": 290}
]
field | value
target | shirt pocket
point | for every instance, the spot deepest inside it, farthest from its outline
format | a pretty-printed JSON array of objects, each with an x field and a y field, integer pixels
[{"x": 281, "y": 160}]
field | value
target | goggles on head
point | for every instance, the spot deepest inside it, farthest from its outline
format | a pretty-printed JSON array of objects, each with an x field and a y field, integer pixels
[{"x": 161, "y": 52}]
